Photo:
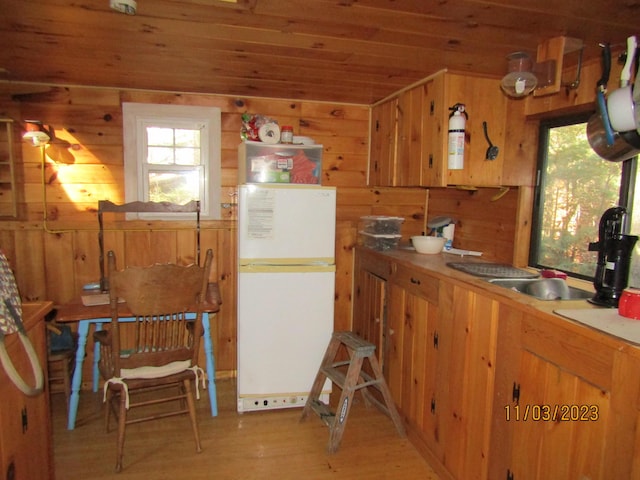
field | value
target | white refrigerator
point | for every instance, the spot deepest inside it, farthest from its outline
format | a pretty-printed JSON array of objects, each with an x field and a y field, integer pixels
[{"x": 286, "y": 291}]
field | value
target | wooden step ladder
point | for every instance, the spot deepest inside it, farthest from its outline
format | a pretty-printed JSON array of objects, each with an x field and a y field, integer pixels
[{"x": 354, "y": 379}]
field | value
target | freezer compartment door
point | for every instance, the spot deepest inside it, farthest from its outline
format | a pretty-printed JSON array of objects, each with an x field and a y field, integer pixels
[
  {"x": 286, "y": 224},
  {"x": 285, "y": 322}
]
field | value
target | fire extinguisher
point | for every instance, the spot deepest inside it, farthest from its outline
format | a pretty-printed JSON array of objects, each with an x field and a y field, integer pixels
[{"x": 457, "y": 122}]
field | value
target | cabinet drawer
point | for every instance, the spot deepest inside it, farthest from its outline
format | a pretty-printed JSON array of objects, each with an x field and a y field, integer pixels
[
  {"x": 374, "y": 263},
  {"x": 418, "y": 283}
]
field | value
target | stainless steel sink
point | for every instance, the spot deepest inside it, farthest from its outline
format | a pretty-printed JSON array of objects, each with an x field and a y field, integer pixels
[{"x": 543, "y": 288}]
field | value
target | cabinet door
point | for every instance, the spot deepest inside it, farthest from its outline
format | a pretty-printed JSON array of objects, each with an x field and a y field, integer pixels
[
  {"x": 464, "y": 385},
  {"x": 369, "y": 310},
  {"x": 412, "y": 361},
  {"x": 434, "y": 132},
  {"x": 564, "y": 404},
  {"x": 24, "y": 421},
  {"x": 383, "y": 144},
  {"x": 559, "y": 420},
  {"x": 484, "y": 102},
  {"x": 413, "y": 355},
  {"x": 409, "y": 151}
]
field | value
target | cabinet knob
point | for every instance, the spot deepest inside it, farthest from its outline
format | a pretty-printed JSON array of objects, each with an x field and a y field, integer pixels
[
  {"x": 415, "y": 281},
  {"x": 392, "y": 331}
]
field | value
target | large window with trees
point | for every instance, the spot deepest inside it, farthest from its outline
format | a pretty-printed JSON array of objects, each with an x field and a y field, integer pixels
[{"x": 575, "y": 187}]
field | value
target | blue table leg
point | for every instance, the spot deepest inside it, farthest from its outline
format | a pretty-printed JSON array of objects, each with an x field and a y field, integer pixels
[
  {"x": 211, "y": 370},
  {"x": 76, "y": 383}
]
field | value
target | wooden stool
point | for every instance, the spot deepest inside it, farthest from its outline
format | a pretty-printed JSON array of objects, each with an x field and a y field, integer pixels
[{"x": 354, "y": 379}]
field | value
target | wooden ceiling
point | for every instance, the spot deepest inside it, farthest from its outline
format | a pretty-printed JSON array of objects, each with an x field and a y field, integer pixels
[{"x": 353, "y": 51}]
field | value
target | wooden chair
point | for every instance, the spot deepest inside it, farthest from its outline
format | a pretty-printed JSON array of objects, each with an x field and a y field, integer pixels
[
  {"x": 60, "y": 362},
  {"x": 105, "y": 206},
  {"x": 159, "y": 346}
]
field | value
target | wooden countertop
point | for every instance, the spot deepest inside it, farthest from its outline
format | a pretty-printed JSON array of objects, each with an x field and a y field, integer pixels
[{"x": 436, "y": 265}]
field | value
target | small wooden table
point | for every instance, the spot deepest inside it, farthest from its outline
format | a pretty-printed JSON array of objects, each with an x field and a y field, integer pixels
[{"x": 76, "y": 312}]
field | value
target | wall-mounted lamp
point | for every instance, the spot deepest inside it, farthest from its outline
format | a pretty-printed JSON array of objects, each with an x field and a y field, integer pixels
[
  {"x": 36, "y": 133},
  {"x": 544, "y": 76}
]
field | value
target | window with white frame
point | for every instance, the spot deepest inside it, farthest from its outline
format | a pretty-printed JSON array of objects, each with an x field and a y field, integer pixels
[{"x": 172, "y": 154}]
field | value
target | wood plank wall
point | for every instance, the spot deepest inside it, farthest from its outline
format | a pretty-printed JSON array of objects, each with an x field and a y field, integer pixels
[{"x": 52, "y": 259}]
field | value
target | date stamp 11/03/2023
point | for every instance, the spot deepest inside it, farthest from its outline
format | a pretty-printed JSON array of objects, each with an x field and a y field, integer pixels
[{"x": 552, "y": 413}]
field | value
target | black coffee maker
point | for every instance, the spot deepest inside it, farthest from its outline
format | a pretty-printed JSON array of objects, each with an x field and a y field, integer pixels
[{"x": 614, "y": 257}]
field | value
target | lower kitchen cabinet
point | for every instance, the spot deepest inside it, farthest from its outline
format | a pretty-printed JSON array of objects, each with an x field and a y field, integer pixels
[
  {"x": 490, "y": 388},
  {"x": 25, "y": 426},
  {"x": 563, "y": 406},
  {"x": 438, "y": 363},
  {"x": 370, "y": 303}
]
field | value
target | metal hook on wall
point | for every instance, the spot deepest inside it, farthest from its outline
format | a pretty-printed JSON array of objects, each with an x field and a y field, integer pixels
[{"x": 493, "y": 150}]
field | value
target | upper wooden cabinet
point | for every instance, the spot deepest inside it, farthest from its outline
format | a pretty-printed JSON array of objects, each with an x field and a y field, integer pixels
[
  {"x": 484, "y": 102},
  {"x": 409, "y": 134}
]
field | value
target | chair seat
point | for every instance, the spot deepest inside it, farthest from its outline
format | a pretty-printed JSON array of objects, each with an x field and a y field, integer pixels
[
  {"x": 171, "y": 372},
  {"x": 156, "y": 372}
]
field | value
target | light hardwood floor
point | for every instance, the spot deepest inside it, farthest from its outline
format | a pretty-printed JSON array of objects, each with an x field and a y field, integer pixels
[{"x": 267, "y": 445}]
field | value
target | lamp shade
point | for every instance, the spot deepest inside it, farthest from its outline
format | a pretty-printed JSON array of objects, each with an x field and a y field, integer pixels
[
  {"x": 37, "y": 138},
  {"x": 520, "y": 80},
  {"x": 36, "y": 133}
]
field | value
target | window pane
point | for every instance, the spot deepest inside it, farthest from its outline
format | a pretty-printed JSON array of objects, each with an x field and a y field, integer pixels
[
  {"x": 577, "y": 187},
  {"x": 159, "y": 136},
  {"x": 160, "y": 156},
  {"x": 176, "y": 187},
  {"x": 187, "y": 138},
  {"x": 187, "y": 156}
]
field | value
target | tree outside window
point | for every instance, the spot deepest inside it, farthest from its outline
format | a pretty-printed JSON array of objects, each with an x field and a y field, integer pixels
[{"x": 575, "y": 188}]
